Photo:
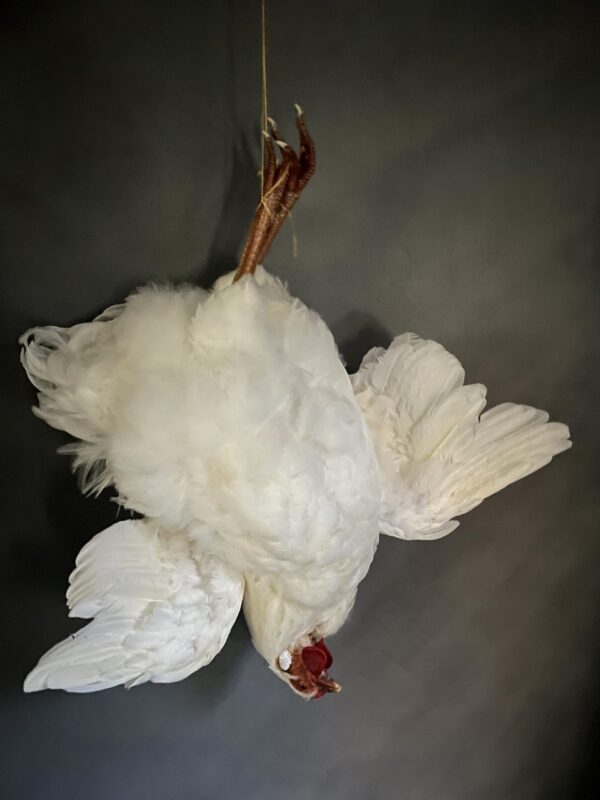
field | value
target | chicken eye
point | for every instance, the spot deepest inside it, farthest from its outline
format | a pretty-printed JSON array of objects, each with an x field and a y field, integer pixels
[{"x": 285, "y": 660}]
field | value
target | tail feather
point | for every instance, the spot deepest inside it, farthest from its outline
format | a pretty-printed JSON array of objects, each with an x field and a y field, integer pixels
[
  {"x": 73, "y": 371},
  {"x": 82, "y": 373}
]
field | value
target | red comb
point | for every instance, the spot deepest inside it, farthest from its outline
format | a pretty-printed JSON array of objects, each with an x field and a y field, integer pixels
[
  {"x": 317, "y": 658},
  {"x": 314, "y": 660},
  {"x": 325, "y": 650}
]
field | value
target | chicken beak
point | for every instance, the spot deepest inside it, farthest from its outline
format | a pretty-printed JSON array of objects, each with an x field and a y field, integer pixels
[{"x": 329, "y": 685}]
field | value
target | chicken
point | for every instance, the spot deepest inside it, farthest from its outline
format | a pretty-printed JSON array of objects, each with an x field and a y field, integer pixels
[{"x": 263, "y": 473}]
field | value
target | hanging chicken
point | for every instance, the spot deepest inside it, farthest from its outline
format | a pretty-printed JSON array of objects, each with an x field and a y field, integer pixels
[{"x": 263, "y": 472}]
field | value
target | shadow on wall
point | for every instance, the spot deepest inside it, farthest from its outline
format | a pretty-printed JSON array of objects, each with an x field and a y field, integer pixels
[
  {"x": 239, "y": 203},
  {"x": 356, "y": 334}
]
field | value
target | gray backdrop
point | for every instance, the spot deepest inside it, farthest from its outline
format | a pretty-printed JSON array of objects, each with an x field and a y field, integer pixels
[{"x": 456, "y": 196}]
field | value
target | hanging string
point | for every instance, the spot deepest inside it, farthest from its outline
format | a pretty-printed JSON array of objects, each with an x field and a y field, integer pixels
[
  {"x": 265, "y": 115},
  {"x": 265, "y": 96}
]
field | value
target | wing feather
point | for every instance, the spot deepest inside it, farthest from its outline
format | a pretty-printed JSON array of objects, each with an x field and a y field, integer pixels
[
  {"x": 160, "y": 612},
  {"x": 439, "y": 455}
]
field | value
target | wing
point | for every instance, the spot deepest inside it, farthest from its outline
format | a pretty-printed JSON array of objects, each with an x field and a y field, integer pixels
[
  {"x": 438, "y": 457},
  {"x": 159, "y": 612}
]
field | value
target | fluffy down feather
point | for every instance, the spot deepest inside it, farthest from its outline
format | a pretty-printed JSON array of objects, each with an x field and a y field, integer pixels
[
  {"x": 438, "y": 457},
  {"x": 86, "y": 374},
  {"x": 160, "y": 612}
]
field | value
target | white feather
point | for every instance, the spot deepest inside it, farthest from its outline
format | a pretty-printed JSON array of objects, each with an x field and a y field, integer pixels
[
  {"x": 85, "y": 373},
  {"x": 160, "y": 612},
  {"x": 438, "y": 457}
]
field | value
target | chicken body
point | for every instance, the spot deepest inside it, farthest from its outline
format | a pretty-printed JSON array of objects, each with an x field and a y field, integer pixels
[
  {"x": 263, "y": 472},
  {"x": 226, "y": 418}
]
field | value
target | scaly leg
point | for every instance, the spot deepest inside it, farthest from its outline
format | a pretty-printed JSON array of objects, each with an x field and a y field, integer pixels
[{"x": 282, "y": 183}]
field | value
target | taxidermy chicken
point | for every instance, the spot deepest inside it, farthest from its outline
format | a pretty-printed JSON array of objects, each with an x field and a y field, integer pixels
[{"x": 263, "y": 473}]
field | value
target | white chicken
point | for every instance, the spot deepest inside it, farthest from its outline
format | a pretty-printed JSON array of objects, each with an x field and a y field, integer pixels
[{"x": 263, "y": 472}]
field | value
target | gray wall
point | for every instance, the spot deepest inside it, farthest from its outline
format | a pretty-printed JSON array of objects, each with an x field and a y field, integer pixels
[{"x": 456, "y": 196}]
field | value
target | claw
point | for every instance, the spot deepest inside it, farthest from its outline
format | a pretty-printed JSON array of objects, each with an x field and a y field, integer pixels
[
  {"x": 274, "y": 129},
  {"x": 281, "y": 186},
  {"x": 308, "y": 155},
  {"x": 290, "y": 156}
]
